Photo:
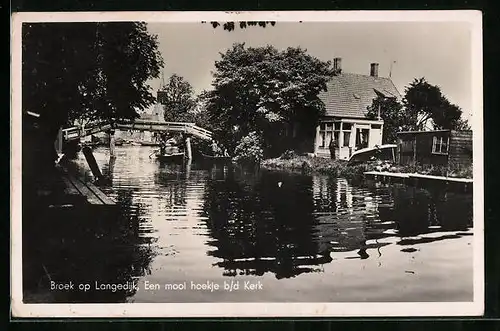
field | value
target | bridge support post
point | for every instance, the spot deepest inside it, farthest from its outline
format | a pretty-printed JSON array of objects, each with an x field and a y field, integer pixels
[
  {"x": 112, "y": 143},
  {"x": 59, "y": 141},
  {"x": 189, "y": 154}
]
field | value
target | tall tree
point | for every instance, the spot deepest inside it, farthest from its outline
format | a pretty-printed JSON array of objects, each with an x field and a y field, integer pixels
[
  {"x": 88, "y": 70},
  {"x": 177, "y": 99},
  {"x": 425, "y": 102},
  {"x": 462, "y": 124},
  {"x": 266, "y": 91}
]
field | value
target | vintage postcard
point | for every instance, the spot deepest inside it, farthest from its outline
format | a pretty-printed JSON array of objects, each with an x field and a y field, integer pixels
[{"x": 247, "y": 164}]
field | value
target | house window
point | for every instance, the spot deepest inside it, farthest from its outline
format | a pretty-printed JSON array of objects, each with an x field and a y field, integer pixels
[
  {"x": 347, "y": 138},
  {"x": 440, "y": 145},
  {"x": 323, "y": 127},
  {"x": 327, "y": 130},
  {"x": 346, "y": 132}
]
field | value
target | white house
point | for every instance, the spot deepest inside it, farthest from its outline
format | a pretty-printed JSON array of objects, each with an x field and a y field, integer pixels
[{"x": 347, "y": 99}]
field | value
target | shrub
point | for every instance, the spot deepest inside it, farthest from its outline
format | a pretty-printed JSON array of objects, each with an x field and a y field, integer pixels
[
  {"x": 249, "y": 149},
  {"x": 288, "y": 154},
  {"x": 460, "y": 171}
]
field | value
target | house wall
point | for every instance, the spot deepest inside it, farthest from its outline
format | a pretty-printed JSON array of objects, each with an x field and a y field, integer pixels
[
  {"x": 375, "y": 137},
  {"x": 417, "y": 147},
  {"x": 346, "y": 147},
  {"x": 460, "y": 152}
]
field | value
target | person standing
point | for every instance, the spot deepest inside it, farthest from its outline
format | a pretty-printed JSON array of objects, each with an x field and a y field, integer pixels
[{"x": 332, "y": 149}]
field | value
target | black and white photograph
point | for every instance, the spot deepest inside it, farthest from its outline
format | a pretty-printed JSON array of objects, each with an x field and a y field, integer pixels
[{"x": 252, "y": 164}]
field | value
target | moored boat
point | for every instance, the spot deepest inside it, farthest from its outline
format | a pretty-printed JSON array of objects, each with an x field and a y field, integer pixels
[
  {"x": 383, "y": 153},
  {"x": 170, "y": 153},
  {"x": 150, "y": 143},
  {"x": 170, "y": 157}
]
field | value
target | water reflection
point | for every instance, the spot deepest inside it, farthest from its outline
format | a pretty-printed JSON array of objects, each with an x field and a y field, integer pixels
[
  {"x": 257, "y": 226},
  {"x": 292, "y": 228},
  {"x": 84, "y": 247},
  {"x": 190, "y": 220}
]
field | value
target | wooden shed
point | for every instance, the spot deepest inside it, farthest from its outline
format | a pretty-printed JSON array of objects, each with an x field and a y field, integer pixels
[{"x": 438, "y": 147}]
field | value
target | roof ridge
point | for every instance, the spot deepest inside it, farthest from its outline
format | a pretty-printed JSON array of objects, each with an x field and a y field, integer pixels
[{"x": 363, "y": 75}]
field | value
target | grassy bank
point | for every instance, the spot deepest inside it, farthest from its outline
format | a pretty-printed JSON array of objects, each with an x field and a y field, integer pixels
[
  {"x": 320, "y": 165},
  {"x": 340, "y": 168}
]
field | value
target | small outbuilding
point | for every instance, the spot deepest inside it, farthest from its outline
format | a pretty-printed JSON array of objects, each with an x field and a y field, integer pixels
[{"x": 437, "y": 148}]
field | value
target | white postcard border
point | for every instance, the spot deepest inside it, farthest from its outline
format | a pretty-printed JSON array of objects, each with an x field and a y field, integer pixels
[{"x": 317, "y": 309}]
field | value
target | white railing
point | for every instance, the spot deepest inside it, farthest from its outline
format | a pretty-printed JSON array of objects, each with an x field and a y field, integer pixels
[
  {"x": 200, "y": 132},
  {"x": 76, "y": 132}
]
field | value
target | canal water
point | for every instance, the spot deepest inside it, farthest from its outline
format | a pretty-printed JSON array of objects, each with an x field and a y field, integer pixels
[{"x": 211, "y": 233}]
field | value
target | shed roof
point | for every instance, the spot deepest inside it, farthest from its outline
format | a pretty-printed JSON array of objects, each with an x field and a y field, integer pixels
[{"x": 349, "y": 95}]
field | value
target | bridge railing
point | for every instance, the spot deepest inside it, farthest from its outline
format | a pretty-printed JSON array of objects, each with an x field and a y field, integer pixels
[
  {"x": 200, "y": 132},
  {"x": 71, "y": 133},
  {"x": 77, "y": 132}
]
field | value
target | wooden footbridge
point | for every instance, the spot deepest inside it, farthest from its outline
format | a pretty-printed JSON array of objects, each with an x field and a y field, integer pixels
[
  {"x": 92, "y": 194},
  {"x": 192, "y": 129}
]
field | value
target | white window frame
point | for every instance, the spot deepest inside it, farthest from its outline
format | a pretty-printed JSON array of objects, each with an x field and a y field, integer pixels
[
  {"x": 327, "y": 127},
  {"x": 441, "y": 140}
]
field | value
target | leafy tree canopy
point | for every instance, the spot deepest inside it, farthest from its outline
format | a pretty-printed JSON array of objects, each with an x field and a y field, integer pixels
[
  {"x": 177, "y": 99},
  {"x": 425, "y": 102},
  {"x": 266, "y": 91},
  {"x": 422, "y": 103},
  {"x": 96, "y": 71}
]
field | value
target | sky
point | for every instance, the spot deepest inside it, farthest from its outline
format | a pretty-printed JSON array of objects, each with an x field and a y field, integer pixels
[{"x": 438, "y": 51}]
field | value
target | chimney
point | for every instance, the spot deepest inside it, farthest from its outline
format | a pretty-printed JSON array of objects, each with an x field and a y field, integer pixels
[
  {"x": 374, "y": 69},
  {"x": 337, "y": 65}
]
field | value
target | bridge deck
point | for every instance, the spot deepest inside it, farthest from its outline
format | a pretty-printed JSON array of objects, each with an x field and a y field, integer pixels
[{"x": 141, "y": 125}]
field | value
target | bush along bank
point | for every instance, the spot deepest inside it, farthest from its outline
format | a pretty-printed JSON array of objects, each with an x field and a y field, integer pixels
[{"x": 339, "y": 168}]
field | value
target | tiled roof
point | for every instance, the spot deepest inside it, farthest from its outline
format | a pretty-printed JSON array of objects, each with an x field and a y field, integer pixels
[{"x": 349, "y": 95}]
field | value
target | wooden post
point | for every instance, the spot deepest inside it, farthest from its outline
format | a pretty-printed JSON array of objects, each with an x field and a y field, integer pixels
[
  {"x": 188, "y": 168},
  {"x": 112, "y": 143},
  {"x": 189, "y": 155},
  {"x": 87, "y": 151},
  {"x": 111, "y": 167},
  {"x": 415, "y": 151}
]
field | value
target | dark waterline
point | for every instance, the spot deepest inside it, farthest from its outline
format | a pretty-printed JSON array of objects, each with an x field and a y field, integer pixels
[{"x": 304, "y": 238}]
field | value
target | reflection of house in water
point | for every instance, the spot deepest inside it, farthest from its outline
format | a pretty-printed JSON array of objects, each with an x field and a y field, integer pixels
[
  {"x": 350, "y": 218},
  {"x": 257, "y": 227}
]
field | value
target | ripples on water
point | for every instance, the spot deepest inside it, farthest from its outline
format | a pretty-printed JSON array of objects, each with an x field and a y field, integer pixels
[{"x": 217, "y": 223}]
